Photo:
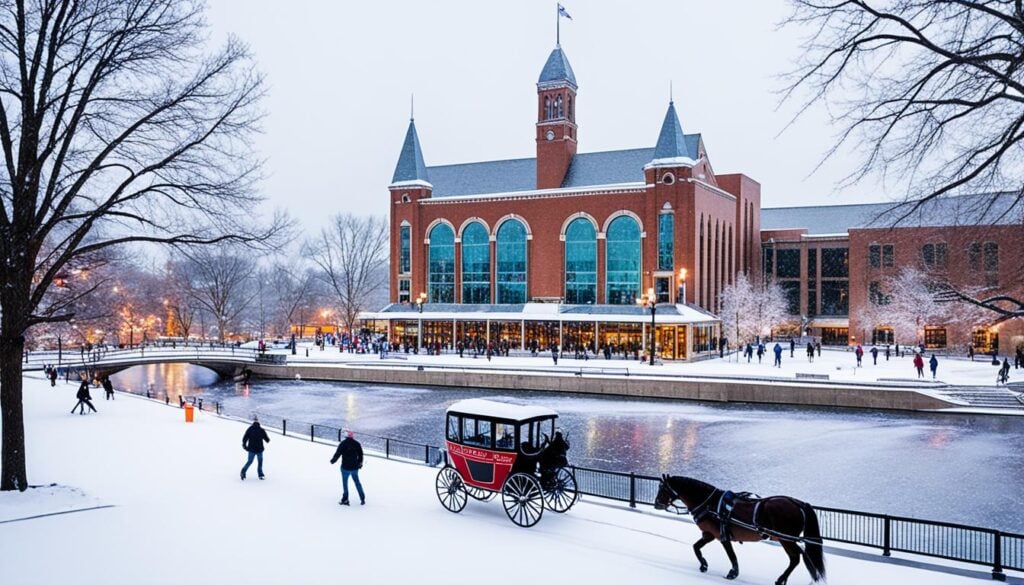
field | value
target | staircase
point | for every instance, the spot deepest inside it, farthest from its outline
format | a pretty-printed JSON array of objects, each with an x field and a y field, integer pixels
[{"x": 984, "y": 397}]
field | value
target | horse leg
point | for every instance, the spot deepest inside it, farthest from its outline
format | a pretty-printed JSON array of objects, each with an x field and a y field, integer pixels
[
  {"x": 793, "y": 550},
  {"x": 735, "y": 571},
  {"x": 705, "y": 538}
]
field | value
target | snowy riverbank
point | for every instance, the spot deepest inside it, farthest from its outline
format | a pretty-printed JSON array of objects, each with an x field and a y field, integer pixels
[{"x": 180, "y": 514}]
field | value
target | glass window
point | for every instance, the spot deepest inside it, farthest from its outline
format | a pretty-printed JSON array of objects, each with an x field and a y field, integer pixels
[
  {"x": 404, "y": 288},
  {"x": 875, "y": 256},
  {"x": 476, "y": 264},
  {"x": 476, "y": 432},
  {"x": 991, "y": 250},
  {"x": 928, "y": 255},
  {"x": 622, "y": 266},
  {"x": 768, "y": 262},
  {"x": 835, "y": 297},
  {"x": 934, "y": 255},
  {"x": 887, "y": 255},
  {"x": 404, "y": 249},
  {"x": 511, "y": 263},
  {"x": 787, "y": 263},
  {"x": 441, "y": 273},
  {"x": 666, "y": 223},
  {"x": 835, "y": 263},
  {"x": 661, "y": 289},
  {"x": 791, "y": 288},
  {"x": 505, "y": 436},
  {"x": 974, "y": 256},
  {"x": 580, "y": 263},
  {"x": 453, "y": 428},
  {"x": 934, "y": 337},
  {"x": 877, "y": 295}
]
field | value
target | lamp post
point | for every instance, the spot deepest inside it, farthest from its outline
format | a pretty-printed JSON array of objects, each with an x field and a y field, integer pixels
[
  {"x": 650, "y": 301},
  {"x": 682, "y": 286},
  {"x": 419, "y": 324}
]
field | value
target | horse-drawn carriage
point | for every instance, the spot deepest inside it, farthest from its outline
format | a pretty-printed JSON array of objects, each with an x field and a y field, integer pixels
[{"x": 515, "y": 450}]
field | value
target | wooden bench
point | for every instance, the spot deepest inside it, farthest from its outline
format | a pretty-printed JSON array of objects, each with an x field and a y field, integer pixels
[{"x": 802, "y": 376}]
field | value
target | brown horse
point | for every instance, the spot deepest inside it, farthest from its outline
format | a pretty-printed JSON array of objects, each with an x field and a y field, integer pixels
[{"x": 778, "y": 518}]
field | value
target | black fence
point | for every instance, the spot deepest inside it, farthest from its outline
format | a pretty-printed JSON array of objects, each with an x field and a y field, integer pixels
[{"x": 944, "y": 540}]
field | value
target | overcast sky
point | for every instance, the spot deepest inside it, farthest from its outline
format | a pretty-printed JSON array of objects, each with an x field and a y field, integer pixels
[{"x": 340, "y": 75}]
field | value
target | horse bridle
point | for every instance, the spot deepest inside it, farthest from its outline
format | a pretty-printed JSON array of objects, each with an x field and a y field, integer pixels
[{"x": 683, "y": 510}]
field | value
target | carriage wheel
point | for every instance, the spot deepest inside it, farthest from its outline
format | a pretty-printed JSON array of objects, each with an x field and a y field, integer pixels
[
  {"x": 523, "y": 499},
  {"x": 563, "y": 493},
  {"x": 479, "y": 494},
  {"x": 451, "y": 490}
]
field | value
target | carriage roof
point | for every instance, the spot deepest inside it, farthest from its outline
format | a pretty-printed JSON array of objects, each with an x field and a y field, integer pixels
[{"x": 500, "y": 410}]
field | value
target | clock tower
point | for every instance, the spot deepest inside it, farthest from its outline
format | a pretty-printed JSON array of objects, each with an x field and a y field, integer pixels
[{"x": 556, "y": 120}]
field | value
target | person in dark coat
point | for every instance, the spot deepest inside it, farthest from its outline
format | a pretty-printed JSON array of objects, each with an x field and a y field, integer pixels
[
  {"x": 934, "y": 365},
  {"x": 53, "y": 377},
  {"x": 1004, "y": 372},
  {"x": 108, "y": 387},
  {"x": 351, "y": 454},
  {"x": 252, "y": 442},
  {"x": 792, "y": 346},
  {"x": 778, "y": 355},
  {"x": 84, "y": 399},
  {"x": 874, "y": 355}
]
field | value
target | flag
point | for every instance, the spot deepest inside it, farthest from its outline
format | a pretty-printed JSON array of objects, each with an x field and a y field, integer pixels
[{"x": 562, "y": 12}]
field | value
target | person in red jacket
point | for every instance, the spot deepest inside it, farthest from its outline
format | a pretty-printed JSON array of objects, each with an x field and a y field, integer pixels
[{"x": 919, "y": 364}]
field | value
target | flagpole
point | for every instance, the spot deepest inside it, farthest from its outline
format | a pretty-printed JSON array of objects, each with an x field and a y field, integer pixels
[{"x": 558, "y": 27}]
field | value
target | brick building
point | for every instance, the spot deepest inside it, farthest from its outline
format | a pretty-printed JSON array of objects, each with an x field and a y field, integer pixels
[
  {"x": 834, "y": 260},
  {"x": 558, "y": 248}
]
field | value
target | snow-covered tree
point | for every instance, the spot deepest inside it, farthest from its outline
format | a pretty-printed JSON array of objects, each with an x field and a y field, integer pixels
[{"x": 749, "y": 311}]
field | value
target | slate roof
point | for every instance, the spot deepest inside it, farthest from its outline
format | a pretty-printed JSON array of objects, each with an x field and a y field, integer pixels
[
  {"x": 1008, "y": 209},
  {"x": 672, "y": 143},
  {"x": 410, "y": 165},
  {"x": 557, "y": 69}
]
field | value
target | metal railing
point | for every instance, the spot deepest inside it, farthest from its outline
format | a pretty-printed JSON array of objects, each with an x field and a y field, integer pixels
[{"x": 945, "y": 540}]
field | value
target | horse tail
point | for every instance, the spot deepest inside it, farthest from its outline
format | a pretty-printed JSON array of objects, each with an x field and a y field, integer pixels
[{"x": 814, "y": 554}]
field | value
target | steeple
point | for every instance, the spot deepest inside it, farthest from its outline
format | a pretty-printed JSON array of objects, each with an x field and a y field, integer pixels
[
  {"x": 557, "y": 71},
  {"x": 673, "y": 146},
  {"x": 410, "y": 167}
]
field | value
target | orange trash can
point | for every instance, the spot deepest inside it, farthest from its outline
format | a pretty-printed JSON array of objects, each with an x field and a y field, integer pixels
[{"x": 189, "y": 413}]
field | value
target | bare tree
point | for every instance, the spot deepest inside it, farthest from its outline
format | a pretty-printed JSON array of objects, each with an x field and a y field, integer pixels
[
  {"x": 115, "y": 128},
  {"x": 750, "y": 311},
  {"x": 221, "y": 282},
  {"x": 292, "y": 286},
  {"x": 352, "y": 255}
]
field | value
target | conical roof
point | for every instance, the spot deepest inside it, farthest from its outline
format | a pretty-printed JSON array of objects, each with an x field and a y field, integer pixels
[
  {"x": 672, "y": 143},
  {"x": 410, "y": 165},
  {"x": 557, "y": 70}
]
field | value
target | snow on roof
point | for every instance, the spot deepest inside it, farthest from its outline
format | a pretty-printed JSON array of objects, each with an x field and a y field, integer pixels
[{"x": 500, "y": 410}]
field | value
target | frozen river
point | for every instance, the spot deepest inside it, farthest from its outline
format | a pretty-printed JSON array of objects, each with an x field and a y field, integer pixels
[{"x": 957, "y": 468}]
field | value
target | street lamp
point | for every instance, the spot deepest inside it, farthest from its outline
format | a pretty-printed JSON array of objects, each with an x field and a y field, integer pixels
[
  {"x": 650, "y": 301},
  {"x": 419, "y": 325},
  {"x": 682, "y": 286}
]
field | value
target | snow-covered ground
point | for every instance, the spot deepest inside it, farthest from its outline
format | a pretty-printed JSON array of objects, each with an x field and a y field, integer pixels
[
  {"x": 180, "y": 515},
  {"x": 838, "y": 364}
]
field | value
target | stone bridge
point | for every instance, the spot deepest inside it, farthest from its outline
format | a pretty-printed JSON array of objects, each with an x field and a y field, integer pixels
[{"x": 226, "y": 361}]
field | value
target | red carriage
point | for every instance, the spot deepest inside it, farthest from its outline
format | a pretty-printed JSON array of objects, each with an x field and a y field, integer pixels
[{"x": 495, "y": 447}]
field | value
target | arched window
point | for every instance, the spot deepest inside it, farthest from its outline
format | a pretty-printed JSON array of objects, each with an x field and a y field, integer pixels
[
  {"x": 622, "y": 261},
  {"x": 580, "y": 262},
  {"x": 441, "y": 270},
  {"x": 558, "y": 107},
  {"x": 511, "y": 262},
  {"x": 570, "y": 108},
  {"x": 476, "y": 264},
  {"x": 547, "y": 108}
]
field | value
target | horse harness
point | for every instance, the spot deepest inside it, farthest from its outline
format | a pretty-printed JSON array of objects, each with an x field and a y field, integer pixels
[{"x": 722, "y": 513}]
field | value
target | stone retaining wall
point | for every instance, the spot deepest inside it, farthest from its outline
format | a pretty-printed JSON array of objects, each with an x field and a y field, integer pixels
[{"x": 715, "y": 391}]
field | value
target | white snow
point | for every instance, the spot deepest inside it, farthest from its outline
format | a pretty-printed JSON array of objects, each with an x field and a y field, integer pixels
[
  {"x": 181, "y": 515},
  {"x": 500, "y": 410}
]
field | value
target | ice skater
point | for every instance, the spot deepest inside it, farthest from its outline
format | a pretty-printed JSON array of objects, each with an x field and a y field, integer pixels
[
  {"x": 84, "y": 399},
  {"x": 252, "y": 442},
  {"x": 108, "y": 387},
  {"x": 351, "y": 454},
  {"x": 778, "y": 355},
  {"x": 919, "y": 364},
  {"x": 933, "y": 364}
]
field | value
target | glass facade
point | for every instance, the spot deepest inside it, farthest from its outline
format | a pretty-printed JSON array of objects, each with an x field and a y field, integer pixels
[
  {"x": 812, "y": 282},
  {"x": 580, "y": 263},
  {"x": 441, "y": 265},
  {"x": 787, "y": 263},
  {"x": 835, "y": 297},
  {"x": 511, "y": 262},
  {"x": 405, "y": 249},
  {"x": 622, "y": 266},
  {"x": 666, "y": 224},
  {"x": 476, "y": 264},
  {"x": 835, "y": 263}
]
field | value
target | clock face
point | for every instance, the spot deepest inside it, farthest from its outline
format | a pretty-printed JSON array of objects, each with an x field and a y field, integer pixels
[{"x": 550, "y": 135}]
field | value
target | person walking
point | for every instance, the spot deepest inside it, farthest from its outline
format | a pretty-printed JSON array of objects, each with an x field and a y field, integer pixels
[
  {"x": 351, "y": 454},
  {"x": 53, "y": 377},
  {"x": 778, "y": 355},
  {"x": 817, "y": 347},
  {"x": 252, "y": 442},
  {"x": 919, "y": 364},
  {"x": 760, "y": 351},
  {"x": 860, "y": 354},
  {"x": 554, "y": 353},
  {"x": 84, "y": 399},
  {"x": 749, "y": 352},
  {"x": 1004, "y": 372},
  {"x": 888, "y": 351},
  {"x": 108, "y": 387},
  {"x": 792, "y": 346},
  {"x": 810, "y": 352},
  {"x": 874, "y": 355},
  {"x": 933, "y": 364}
]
